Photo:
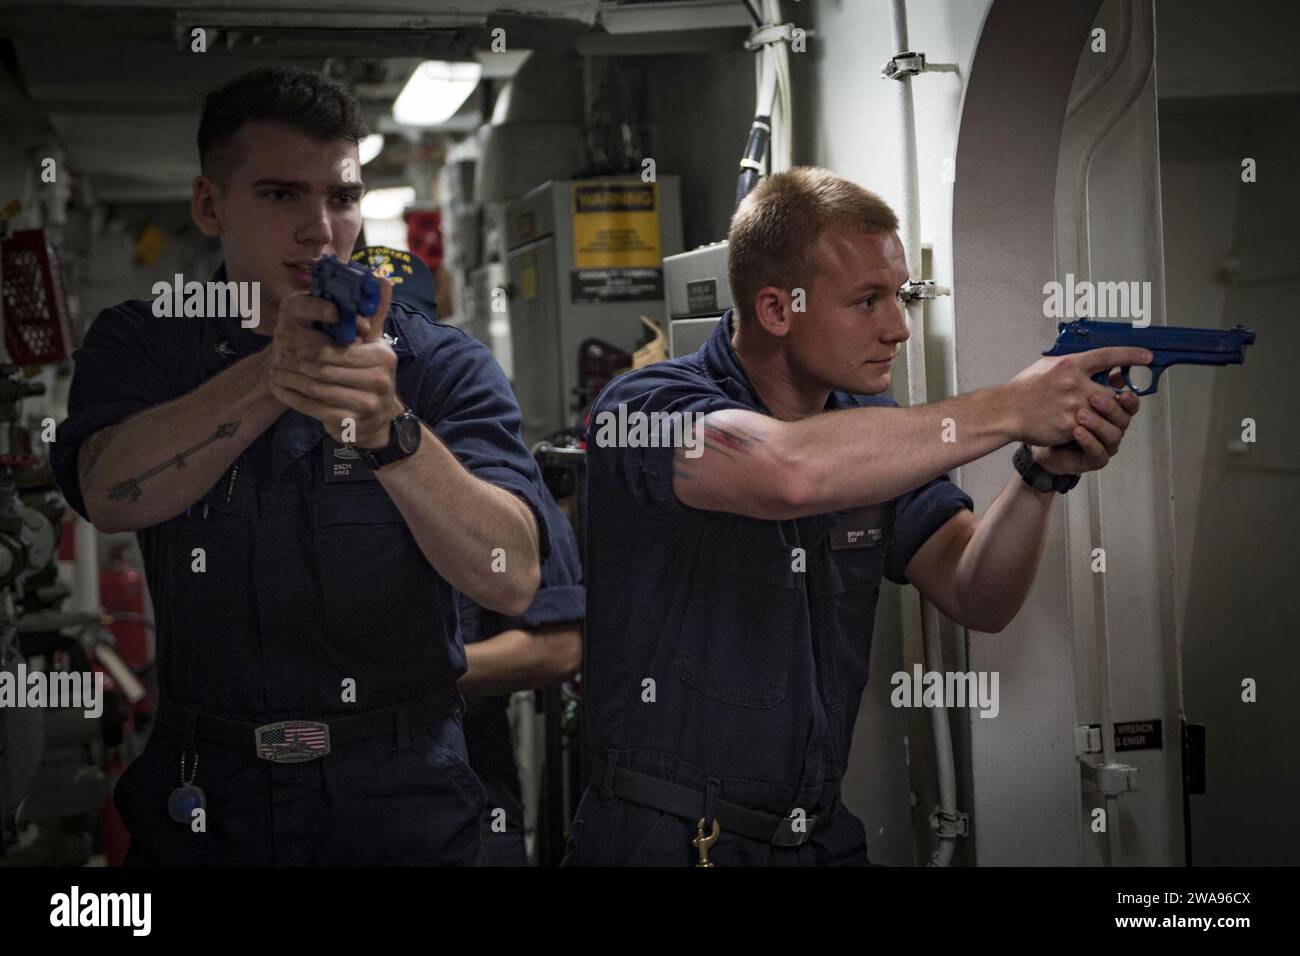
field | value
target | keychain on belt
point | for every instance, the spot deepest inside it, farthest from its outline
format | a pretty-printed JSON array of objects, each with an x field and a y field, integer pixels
[
  {"x": 702, "y": 842},
  {"x": 188, "y": 797},
  {"x": 705, "y": 843}
]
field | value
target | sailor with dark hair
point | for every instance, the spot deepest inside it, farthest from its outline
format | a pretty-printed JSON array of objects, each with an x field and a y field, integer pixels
[{"x": 307, "y": 513}]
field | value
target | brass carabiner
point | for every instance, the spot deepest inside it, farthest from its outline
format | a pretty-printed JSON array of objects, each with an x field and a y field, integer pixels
[{"x": 704, "y": 843}]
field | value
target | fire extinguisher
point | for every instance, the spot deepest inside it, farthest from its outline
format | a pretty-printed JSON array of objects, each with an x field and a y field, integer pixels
[{"x": 121, "y": 592}]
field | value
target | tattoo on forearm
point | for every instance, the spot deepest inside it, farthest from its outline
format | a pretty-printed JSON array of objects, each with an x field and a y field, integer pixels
[{"x": 130, "y": 490}]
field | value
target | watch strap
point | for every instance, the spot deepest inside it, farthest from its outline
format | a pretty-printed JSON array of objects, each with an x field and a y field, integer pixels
[
  {"x": 371, "y": 455},
  {"x": 1038, "y": 477}
]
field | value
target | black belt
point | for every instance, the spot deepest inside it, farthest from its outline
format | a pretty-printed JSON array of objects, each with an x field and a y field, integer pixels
[
  {"x": 688, "y": 803},
  {"x": 295, "y": 741}
]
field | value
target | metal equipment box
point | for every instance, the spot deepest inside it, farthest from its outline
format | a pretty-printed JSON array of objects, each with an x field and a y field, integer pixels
[{"x": 585, "y": 260}]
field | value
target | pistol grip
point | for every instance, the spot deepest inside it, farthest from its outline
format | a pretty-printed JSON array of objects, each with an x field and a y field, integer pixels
[{"x": 1103, "y": 378}]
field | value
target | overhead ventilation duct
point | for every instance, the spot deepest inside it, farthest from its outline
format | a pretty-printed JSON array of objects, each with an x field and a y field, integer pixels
[{"x": 536, "y": 133}]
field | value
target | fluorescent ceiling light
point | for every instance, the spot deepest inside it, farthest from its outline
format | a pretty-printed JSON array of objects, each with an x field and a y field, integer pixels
[
  {"x": 370, "y": 147},
  {"x": 435, "y": 91},
  {"x": 386, "y": 203}
]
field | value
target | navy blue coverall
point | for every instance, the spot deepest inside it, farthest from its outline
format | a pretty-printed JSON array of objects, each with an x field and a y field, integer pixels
[
  {"x": 723, "y": 674},
  {"x": 313, "y": 583},
  {"x": 561, "y": 599}
]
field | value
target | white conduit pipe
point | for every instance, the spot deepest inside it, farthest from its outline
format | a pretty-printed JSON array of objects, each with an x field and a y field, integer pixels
[
  {"x": 85, "y": 567},
  {"x": 910, "y": 230},
  {"x": 766, "y": 101},
  {"x": 782, "y": 117}
]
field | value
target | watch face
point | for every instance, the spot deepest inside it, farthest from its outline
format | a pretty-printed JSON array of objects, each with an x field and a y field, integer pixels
[{"x": 407, "y": 427}]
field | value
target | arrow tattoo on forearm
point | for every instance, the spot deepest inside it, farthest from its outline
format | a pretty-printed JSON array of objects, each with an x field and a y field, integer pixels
[{"x": 129, "y": 490}]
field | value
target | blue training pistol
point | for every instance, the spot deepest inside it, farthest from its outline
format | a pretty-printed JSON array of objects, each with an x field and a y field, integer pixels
[
  {"x": 351, "y": 288},
  {"x": 1168, "y": 345}
]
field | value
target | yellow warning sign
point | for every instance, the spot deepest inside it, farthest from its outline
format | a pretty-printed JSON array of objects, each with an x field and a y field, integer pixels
[{"x": 616, "y": 225}]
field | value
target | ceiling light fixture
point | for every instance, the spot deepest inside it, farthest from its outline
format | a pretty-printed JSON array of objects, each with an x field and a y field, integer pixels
[
  {"x": 435, "y": 91},
  {"x": 370, "y": 147}
]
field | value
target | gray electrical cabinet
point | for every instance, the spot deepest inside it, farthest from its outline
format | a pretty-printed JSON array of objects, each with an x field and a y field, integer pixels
[
  {"x": 585, "y": 261},
  {"x": 697, "y": 293}
]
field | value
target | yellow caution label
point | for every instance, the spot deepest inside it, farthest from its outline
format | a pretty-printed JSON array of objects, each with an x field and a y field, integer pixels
[{"x": 616, "y": 226}]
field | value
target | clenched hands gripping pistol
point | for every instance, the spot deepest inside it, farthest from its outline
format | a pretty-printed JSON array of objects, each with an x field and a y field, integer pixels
[
  {"x": 1168, "y": 345},
  {"x": 351, "y": 288}
]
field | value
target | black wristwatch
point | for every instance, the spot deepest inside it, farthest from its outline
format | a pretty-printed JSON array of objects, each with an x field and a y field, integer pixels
[
  {"x": 1038, "y": 477},
  {"x": 403, "y": 439}
]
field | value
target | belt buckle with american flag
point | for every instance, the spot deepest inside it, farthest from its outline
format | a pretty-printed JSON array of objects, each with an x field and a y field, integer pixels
[{"x": 292, "y": 741}]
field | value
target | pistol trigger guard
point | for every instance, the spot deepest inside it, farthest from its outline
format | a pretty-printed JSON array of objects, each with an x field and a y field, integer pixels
[
  {"x": 1155, "y": 377},
  {"x": 1103, "y": 378}
]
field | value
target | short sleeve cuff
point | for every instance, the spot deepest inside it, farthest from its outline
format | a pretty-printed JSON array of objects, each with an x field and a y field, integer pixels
[
  {"x": 562, "y": 604},
  {"x": 927, "y": 512}
]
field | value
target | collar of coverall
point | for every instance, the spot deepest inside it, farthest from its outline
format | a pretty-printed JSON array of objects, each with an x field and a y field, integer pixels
[{"x": 722, "y": 365}]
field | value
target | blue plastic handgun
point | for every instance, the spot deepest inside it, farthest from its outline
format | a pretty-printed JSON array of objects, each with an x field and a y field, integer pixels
[
  {"x": 351, "y": 288},
  {"x": 1168, "y": 344}
]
